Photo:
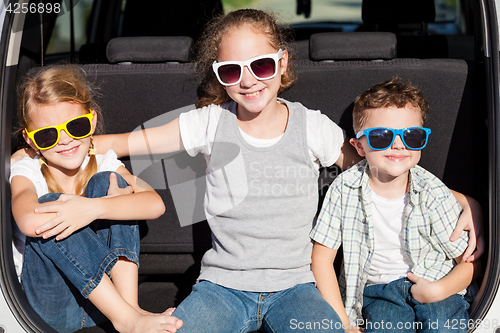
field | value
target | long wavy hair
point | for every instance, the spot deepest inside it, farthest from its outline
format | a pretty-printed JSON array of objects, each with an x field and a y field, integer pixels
[
  {"x": 57, "y": 84},
  {"x": 210, "y": 41}
]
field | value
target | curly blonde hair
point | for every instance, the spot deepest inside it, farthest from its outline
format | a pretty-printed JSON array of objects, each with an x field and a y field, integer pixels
[
  {"x": 57, "y": 84},
  {"x": 208, "y": 49}
]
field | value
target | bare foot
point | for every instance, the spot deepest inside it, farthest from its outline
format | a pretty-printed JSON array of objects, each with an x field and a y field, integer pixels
[
  {"x": 151, "y": 324},
  {"x": 143, "y": 312},
  {"x": 169, "y": 311}
]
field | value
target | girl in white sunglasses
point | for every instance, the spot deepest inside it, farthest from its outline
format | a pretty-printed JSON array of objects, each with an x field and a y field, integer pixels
[
  {"x": 79, "y": 267},
  {"x": 263, "y": 154}
]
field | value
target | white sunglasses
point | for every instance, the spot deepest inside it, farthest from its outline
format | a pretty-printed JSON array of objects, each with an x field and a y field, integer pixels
[{"x": 263, "y": 67}]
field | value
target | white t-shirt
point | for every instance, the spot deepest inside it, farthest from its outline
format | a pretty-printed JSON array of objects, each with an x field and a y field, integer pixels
[
  {"x": 198, "y": 128},
  {"x": 389, "y": 262},
  {"x": 30, "y": 168}
]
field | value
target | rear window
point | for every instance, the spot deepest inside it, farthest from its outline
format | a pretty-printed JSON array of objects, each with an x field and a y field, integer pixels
[
  {"x": 345, "y": 15},
  {"x": 341, "y": 11},
  {"x": 61, "y": 35}
]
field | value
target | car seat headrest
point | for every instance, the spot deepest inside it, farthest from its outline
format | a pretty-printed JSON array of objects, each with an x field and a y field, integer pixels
[
  {"x": 149, "y": 49},
  {"x": 352, "y": 46},
  {"x": 398, "y": 11}
]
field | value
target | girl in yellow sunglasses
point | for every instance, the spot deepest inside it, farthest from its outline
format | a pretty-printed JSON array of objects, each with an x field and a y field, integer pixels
[{"x": 75, "y": 245}]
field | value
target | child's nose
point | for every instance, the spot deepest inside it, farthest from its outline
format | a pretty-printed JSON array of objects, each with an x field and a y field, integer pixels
[
  {"x": 247, "y": 78},
  {"x": 64, "y": 138},
  {"x": 398, "y": 143}
]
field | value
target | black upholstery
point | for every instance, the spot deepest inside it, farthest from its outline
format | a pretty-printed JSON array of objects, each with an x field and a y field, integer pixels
[
  {"x": 137, "y": 92},
  {"x": 352, "y": 46},
  {"x": 149, "y": 49}
]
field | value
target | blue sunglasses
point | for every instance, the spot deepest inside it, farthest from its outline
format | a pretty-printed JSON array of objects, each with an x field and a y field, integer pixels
[{"x": 381, "y": 138}]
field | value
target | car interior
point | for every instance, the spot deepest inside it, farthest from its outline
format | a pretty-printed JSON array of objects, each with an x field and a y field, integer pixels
[{"x": 140, "y": 56}]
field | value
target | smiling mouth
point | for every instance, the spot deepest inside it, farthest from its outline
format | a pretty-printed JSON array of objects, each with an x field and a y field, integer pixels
[
  {"x": 396, "y": 158},
  {"x": 68, "y": 151},
  {"x": 253, "y": 94}
]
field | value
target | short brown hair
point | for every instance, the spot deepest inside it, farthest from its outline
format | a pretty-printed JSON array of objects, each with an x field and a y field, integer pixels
[{"x": 393, "y": 93}]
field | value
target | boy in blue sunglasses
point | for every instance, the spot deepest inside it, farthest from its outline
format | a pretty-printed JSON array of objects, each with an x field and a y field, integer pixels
[{"x": 401, "y": 273}]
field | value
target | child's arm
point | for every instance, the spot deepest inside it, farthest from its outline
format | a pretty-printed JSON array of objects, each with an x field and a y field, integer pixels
[
  {"x": 74, "y": 212},
  {"x": 156, "y": 140},
  {"x": 458, "y": 279},
  {"x": 326, "y": 281},
  {"x": 24, "y": 203},
  {"x": 471, "y": 220}
]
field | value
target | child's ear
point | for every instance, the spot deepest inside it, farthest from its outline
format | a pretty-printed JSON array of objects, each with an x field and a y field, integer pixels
[
  {"x": 358, "y": 146},
  {"x": 29, "y": 141},
  {"x": 284, "y": 62},
  {"x": 94, "y": 121}
]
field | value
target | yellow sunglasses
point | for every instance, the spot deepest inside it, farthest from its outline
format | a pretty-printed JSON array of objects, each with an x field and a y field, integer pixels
[{"x": 47, "y": 137}]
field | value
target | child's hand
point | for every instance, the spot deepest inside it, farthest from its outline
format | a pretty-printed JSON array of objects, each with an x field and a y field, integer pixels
[
  {"x": 73, "y": 213},
  {"x": 114, "y": 190},
  {"x": 423, "y": 290}
]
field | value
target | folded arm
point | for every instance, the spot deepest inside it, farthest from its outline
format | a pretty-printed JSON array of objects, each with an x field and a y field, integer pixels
[
  {"x": 72, "y": 212},
  {"x": 75, "y": 212}
]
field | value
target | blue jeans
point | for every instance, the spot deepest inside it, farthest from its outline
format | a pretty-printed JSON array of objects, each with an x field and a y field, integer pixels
[
  {"x": 58, "y": 276},
  {"x": 213, "y": 308},
  {"x": 391, "y": 308}
]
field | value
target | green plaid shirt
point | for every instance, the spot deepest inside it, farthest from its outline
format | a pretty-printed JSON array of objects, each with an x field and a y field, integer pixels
[{"x": 430, "y": 217}]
